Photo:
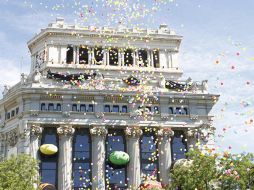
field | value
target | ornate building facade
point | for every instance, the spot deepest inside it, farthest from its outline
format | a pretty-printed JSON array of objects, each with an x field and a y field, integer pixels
[{"x": 92, "y": 91}]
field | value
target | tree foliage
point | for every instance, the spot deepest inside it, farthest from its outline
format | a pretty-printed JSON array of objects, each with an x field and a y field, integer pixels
[
  {"x": 18, "y": 173},
  {"x": 206, "y": 170}
]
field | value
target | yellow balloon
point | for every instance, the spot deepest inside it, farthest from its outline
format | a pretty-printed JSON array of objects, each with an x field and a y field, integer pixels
[{"x": 48, "y": 149}]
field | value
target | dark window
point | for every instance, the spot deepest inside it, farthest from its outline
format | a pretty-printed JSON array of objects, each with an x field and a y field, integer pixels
[
  {"x": 8, "y": 115},
  {"x": 43, "y": 106},
  {"x": 124, "y": 109},
  {"x": 58, "y": 107},
  {"x": 116, "y": 178},
  {"x": 171, "y": 110},
  {"x": 90, "y": 108},
  {"x": 148, "y": 108},
  {"x": 128, "y": 57},
  {"x": 17, "y": 110},
  {"x": 69, "y": 55},
  {"x": 106, "y": 108},
  {"x": 185, "y": 111},
  {"x": 178, "y": 110},
  {"x": 83, "y": 108},
  {"x": 142, "y": 57},
  {"x": 82, "y": 160},
  {"x": 83, "y": 55},
  {"x": 156, "y": 60},
  {"x": 48, "y": 164},
  {"x": 113, "y": 57},
  {"x": 98, "y": 54},
  {"x": 74, "y": 107},
  {"x": 12, "y": 113},
  {"x": 179, "y": 146},
  {"x": 156, "y": 109},
  {"x": 115, "y": 108},
  {"x": 148, "y": 154},
  {"x": 51, "y": 107}
]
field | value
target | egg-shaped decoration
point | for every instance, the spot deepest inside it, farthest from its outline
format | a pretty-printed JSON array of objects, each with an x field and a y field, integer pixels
[
  {"x": 151, "y": 184},
  {"x": 48, "y": 149},
  {"x": 119, "y": 158},
  {"x": 46, "y": 186}
]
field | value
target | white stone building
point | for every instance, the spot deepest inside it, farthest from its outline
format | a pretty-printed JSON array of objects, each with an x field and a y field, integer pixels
[{"x": 93, "y": 90}]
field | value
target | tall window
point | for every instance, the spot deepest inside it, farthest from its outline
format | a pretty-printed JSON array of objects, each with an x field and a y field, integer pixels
[
  {"x": 171, "y": 110},
  {"x": 82, "y": 160},
  {"x": 148, "y": 154},
  {"x": 90, "y": 108},
  {"x": 115, "y": 108},
  {"x": 48, "y": 164},
  {"x": 51, "y": 107},
  {"x": 128, "y": 57},
  {"x": 124, "y": 109},
  {"x": 58, "y": 107},
  {"x": 156, "y": 109},
  {"x": 142, "y": 57},
  {"x": 106, "y": 108},
  {"x": 116, "y": 177},
  {"x": 83, "y": 55},
  {"x": 69, "y": 54},
  {"x": 98, "y": 55},
  {"x": 156, "y": 60},
  {"x": 43, "y": 106},
  {"x": 83, "y": 108},
  {"x": 74, "y": 107},
  {"x": 113, "y": 57},
  {"x": 179, "y": 146}
]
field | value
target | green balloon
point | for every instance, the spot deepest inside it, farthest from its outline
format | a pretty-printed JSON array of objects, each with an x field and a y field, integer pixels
[{"x": 119, "y": 158}]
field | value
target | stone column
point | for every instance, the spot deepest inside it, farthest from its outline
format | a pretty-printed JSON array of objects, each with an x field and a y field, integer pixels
[
  {"x": 148, "y": 58},
  {"x": 152, "y": 61},
  {"x": 165, "y": 158},
  {"x": 122, "y": 58},
  {"x": 24, "y": 138},
  {"x": 133, "y": 171},
  {"x": 77, "y": 54},
  {"x": 65, "y": 133},
  {"x": 98, "y": 157},
  {"x": 35, "y": 140},
  {"x": 2, "y": 145},
  {"x": 92, "y": 55}
]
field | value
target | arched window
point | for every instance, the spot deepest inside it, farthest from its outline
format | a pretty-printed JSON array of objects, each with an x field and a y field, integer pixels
[
  {"x": 115, "y": 108},
  {"x": 98, "y": 55},
  {"x": 124, "y": 109},
  {"x": 51, "y": 107},
  {"x": 74, "y": 107},
  {"x": 83, "y": 55},
  {"x": 83, "y": 108},
  {"x": 48, "y": 164},
  {"x": 90, "y": 108},
  {"x": 148, "y": 154},
  {"x": 185, "y": 111},
  {"x": 43, "y": 106},
  {"x": 106, "y": 108},
  {"x": 58, "y": 107},
  {"x": 142, "y": 57},
  {"x": 179, "y": 146},
  {"x": 82, "y": 159},
  {"x": 156, "y": 109},
  {"x": 116, "y": 178},
  {"x": 178, "y": 110},
  {"x": 171, "y": 110}
]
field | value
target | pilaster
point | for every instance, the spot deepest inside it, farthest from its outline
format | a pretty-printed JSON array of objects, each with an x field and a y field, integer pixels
[
  {"x": 65, "y": 133},
  {"x": 165, "y": 159},
  {"x": 133, "y": 171},
  {"x": 98, "y": 157}
]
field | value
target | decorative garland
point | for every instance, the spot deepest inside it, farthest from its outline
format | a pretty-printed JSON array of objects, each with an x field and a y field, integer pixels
[
  {"x": 176, "y": 86},
  {"x": 70, "y": 77},
  {"x": 131, "y": 80}
]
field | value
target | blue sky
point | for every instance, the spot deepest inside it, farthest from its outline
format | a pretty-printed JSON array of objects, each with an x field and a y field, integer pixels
[{"x": 213, "y": 30}]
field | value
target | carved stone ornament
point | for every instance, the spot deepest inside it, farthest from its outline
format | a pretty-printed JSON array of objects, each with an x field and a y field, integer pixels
[
  {"x": 133, "y": 132},
  {"x": 65, "y": 130},
  {"x": 12, "y": 137},
  {"x": 2, "y": 137},
  {"x": 36, "y": 130},
  {"x": 98, "y": 131},
  {"x": 165, "y": 132},
  {"x": 99, "y": 115}
]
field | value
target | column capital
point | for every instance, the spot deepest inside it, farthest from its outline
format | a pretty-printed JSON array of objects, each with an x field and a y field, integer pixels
[
  {"x": 12, "y": 137},
  {"x": 36, "y": 130},
  {"x": 133, "y": 132},
  {"x": 165, "y": 132},
  {"x": 98, "y": 131},
  {"x": 65, "y": 130}
]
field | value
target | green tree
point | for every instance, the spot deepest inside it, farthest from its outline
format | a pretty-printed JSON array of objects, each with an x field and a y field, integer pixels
[{"x": 18, "y": 173}]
